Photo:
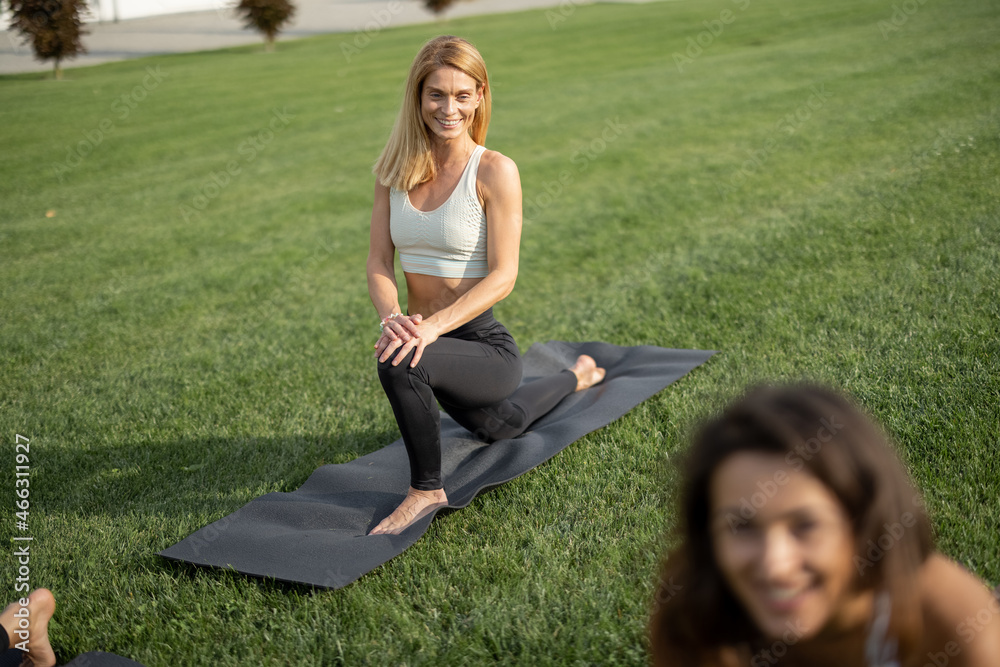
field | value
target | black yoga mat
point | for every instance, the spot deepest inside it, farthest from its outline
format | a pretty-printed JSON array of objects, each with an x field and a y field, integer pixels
[{"x": 317, "y": 534}]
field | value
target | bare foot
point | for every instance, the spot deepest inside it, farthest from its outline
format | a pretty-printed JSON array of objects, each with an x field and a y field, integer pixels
[
  {"x": 416, "y": 505},
  {"x": 587, "y": 373},
  {"x": 41, "y": 606}
]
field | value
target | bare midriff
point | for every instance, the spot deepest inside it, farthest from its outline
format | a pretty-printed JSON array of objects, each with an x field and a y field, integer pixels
[{"x": 427, "y": 295}]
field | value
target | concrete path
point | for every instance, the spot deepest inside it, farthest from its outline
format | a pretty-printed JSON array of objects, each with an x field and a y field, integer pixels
[{"x": 200, "y": 31}]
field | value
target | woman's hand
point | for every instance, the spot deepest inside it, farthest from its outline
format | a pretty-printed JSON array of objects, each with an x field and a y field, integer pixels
[
  {"x": 395, "y": 332},
  {"x": 402, "y": 334}
]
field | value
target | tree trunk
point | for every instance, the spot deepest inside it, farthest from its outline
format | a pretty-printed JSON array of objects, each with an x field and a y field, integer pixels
[
  {"x": 58, "y": 71},
  {"x": 269, "y": 43}
]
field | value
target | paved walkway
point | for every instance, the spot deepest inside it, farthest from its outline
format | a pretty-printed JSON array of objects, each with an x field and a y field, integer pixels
[{"x": 200, "y": 31}]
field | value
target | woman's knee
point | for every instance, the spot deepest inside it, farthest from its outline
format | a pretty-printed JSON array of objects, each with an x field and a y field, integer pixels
[
  {"x": 390, "y": 374},
  {"x": 398, "y": 377},
  {"x": 494, "y": 423}
]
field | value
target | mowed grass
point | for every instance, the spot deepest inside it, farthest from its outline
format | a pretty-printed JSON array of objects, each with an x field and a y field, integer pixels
[{"x": 813, "y": 195}]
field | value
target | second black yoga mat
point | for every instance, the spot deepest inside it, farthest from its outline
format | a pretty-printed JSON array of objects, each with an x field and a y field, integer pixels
[{"x": 317, "y": 534}]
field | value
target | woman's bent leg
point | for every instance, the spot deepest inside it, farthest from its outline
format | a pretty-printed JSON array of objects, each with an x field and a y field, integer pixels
[
  {"x": 475, "y": 380},
  {"x": 471, "y": 374},
  {"x": 513, "y": 416},
  {"x": 419, "y": 421}
]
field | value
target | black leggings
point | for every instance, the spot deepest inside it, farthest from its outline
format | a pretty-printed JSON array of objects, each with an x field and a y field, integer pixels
[
  {"x": 9, "y": 657},
  {"x": 473, "y": 372}
]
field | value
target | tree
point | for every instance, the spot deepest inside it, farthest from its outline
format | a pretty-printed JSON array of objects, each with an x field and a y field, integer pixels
[
  {"x": 52, "y": 27},
  {"x": 266, "y": 16},
  {"x": 438, "y": 6}
]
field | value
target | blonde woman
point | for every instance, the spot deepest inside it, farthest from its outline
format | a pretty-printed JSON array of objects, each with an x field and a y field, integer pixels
[{"x": 452, "y": 209}]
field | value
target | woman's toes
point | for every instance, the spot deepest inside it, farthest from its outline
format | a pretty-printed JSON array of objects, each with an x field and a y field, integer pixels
[{"x": 587, "y": 373}]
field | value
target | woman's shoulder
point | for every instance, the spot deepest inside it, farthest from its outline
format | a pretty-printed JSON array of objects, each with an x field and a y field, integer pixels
[
  {"x": 961, "y": 616},
  {"x": 497, "y": 177},
  {"x": 495, "y": 165}
]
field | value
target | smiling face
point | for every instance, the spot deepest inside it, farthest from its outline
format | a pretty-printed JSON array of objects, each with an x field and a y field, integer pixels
[
  {"x": 784, "y": 545},
  {"x": 448, "y": 103}
]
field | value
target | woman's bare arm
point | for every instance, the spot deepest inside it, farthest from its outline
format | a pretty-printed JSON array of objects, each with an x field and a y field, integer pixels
[
  {"x": 961, "y": 616},
  {"x": 500, "y": 187}
]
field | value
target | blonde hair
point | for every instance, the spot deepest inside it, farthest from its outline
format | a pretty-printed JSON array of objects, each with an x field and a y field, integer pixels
[{"x": 406, "y": 160}]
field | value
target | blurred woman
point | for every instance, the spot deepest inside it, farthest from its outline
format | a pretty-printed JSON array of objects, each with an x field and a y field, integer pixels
[
  {"x": 452, "y": 209},
  {"x": 803, "y": 541}
]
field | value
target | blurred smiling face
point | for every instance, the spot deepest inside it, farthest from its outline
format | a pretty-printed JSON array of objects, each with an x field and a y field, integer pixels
[{"x": 783, "y": 544}]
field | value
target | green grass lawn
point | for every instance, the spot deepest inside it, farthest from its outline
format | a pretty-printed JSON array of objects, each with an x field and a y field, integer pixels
[{"x": 186, "y": 325}]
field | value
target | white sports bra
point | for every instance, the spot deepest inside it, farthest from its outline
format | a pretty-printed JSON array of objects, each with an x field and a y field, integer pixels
[
  {"x": 450, "y": 241},
  {"x": 880, "y": 649}
]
